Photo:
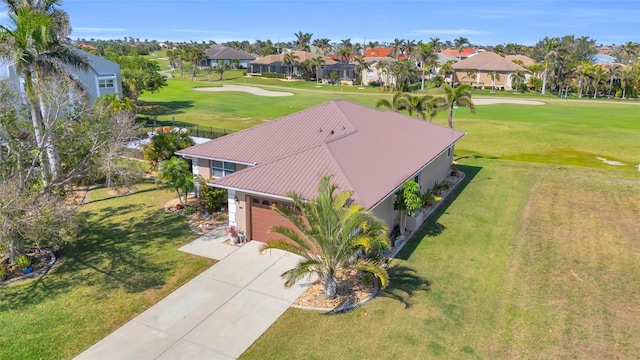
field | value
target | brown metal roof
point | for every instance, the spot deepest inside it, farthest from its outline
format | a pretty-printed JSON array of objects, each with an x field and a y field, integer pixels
[
  {"x": 302, "y": 56},
  {"x": 527, "y": 61},
  {"x": 369, "y": 152},
  {"x": 487, "y": 61}
]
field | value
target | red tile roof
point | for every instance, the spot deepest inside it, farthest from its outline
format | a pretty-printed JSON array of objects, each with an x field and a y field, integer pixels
[
  {"x": 381, "y": 52},
  {"x": 369, "y": 152},
  {"x": 455, "y": 53}
]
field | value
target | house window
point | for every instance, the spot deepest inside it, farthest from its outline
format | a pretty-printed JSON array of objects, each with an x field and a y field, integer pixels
[
  {"x": 417, "y": 179},
  {"x": 369, "y": 74},
  {"x": 106, "y": 83},
  {"x": 222, "y": 168},
  {"x": 449, "y": 152}
]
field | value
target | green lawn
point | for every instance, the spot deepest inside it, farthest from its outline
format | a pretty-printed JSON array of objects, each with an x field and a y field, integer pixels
[
  {"x": 529, "y": 261},
  {"x": 125, "y": 261}
]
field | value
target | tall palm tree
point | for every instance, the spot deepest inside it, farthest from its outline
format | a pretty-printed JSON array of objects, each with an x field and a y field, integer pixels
[
  {"x": 196, "y": 57},
  {"x": 436, "y": 44},
  {"x": 290, "y": 59},
  {"x": 614, "y": 73},
  {"x": 550, "y": 45},
  {"x": 459, "y": 44},
  {"x": 517, "y": 78},
  {"x": 422, "y": 106},
  {"x": 599, "y": 76},
  {"x": 427, "y": 57},
  {"x": 373, "y": 45},
  {"x": 360, "y": 68},
  {"x": 471, "y": 74},
  {"x": 329, "y": 232},
  {"x": 446, "y": 70},
  {"x": 396, "y": 47},
  {"x": 317, "y": 63},
  {"x": 629, "y": 51},
  {"x": 302, "y": 41},
  {"x": 493, "y": 76},
  {"x": 409, "y": 47},
  {"x": 584, "y": 73},
  {"x": 626, "y": 77},
  {"x": 460, "y": 96},
  {"x": 32, "y": 41},
  {"x": 345, "y": 53}
]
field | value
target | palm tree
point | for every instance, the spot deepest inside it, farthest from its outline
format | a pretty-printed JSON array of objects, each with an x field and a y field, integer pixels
[
  {"x": 302, "y": 41},
  {"x": 373, "y": 45},
  {"x": 196, "y": 57},
  {"x": 614, "y": 72},
  {"x": 599, "y": 75},
  {"x": 471, "y": 74},
  {"x": 459, "y": 44},
  {"x": 396, "y": 47},
  {"x": 517, "y": 78},
  {"x": 626, "y": 76},
  {"x": 361, "y": 66},
  {"x": 629, "y": 51},
  {"x": 427, "y": 57},
  {"x": 446, "y": 70},
  {"x": 329, "y": 232},
  {"x": 290, "y": 59},
  {"x": 423, "y": 106},
  {"x": 345, "y": 53},
  {"x": 317, "y": 62},
  {"x": 493, "y": 76},
  {"x": 550, "y": 45},
  {"x": 436, "y": 44},
  {"x": 32, "y": 41},
  {"x": 584, "y": 72},
  {"x": 175, "y": 172},
  {"x": 460, "y": 96}
]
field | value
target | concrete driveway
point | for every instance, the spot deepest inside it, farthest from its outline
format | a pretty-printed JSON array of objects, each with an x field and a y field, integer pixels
[{"x": 217, "y": 315}]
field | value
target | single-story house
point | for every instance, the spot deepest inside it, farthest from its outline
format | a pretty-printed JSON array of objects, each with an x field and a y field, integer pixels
[
  {"x": 367, "y": 151},
  {"x": 102, "y": 76},
  {"x": 273, "y": 64},
  {"x": 227, "y": 54},
  {"x": 483, "y": 64}
]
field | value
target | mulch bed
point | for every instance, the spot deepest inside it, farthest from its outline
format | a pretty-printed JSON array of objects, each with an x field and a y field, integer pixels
[
  {"x": 351, "y": 290},
  {"x": 199, "y": 221},
  {"x": 40, "y": 261}
]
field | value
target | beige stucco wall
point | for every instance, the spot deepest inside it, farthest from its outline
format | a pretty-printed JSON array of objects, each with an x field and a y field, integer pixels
[
  {"x": 241, "y": 212},
  {"x": 204, "y": 169},
  {"x": 437, "y": 170}
]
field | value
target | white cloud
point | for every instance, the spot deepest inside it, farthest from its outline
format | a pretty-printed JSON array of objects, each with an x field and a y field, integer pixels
[
  {"x": 453, "y": 32},
  {"x": 88, "y": 29}
]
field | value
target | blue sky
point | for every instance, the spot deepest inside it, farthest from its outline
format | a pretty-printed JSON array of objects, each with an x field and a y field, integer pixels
[{"x": 486, "y": 22}]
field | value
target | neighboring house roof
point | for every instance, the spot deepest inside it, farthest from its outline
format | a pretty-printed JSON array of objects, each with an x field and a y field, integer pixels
[
  {"x": 487, "y": 61},
  {"x": 444, "y": 58},
  {"x": 527, "y": 61},
  {"x": 302, "y": 56},
  {"x": 381, "y": 52},
  {"x": 372, "y": 59},
  {"x": 369, "y": 152},
  {"x": 466, "y": 52},
  {"x": 221, "y": 52},
  {"x": 603, "y": 59}
]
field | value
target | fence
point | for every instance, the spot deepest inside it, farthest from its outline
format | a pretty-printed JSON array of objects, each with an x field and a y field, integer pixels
[{"x": 209, "y": 132}]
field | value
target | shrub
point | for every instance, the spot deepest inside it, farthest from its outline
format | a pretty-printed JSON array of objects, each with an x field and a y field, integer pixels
[
  {"x": 273, "y": 75},
  {"x": 212, "y": 199},
  {"x": 3, "y": 271},
  {"x": 374, "y": 83},
  {"x": 189, "y": 210},
  {"x": 23, "y": 261}
]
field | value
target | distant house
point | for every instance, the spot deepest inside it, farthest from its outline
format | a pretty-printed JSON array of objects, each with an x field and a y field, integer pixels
[
  {"x": 377, "y": 73},
  {"x": 273, "y": 64},
  {"x": 603, "y": 59},
  {"x": 102, "y": 77},
  {"x": 227, "y": 54},
  {"x": 368, "y": 152},
  {"x": 483, "y": 64},
  {"x": 382, "y": 52}
]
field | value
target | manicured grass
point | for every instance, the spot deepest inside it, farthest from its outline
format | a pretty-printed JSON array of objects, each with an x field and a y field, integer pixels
[
  {"x": 529, "y": 261},
  {"x": 125, "y": 260}
]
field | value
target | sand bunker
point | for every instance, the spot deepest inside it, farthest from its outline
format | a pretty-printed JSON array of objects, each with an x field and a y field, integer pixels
[
  {"x": 505, "y": 101},
  {"x": 247, "y": 89}
]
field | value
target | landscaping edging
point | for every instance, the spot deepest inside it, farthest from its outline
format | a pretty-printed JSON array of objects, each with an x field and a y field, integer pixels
[{"x": 33, "y": 274}]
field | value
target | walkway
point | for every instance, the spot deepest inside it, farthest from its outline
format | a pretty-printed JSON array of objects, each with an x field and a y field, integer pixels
[{"x": 217, "y": 315}]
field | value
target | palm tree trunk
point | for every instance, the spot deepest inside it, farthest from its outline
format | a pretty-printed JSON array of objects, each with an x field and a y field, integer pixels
[
  {"x": 423, "y": 72},
  {"x": 329, "y": 284},
  {"x": 450, "y": 119},
  {"x": 580, "y": 87},
  {"x": 36, "y": 120},
  {"x": 544, "y": 80}
]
